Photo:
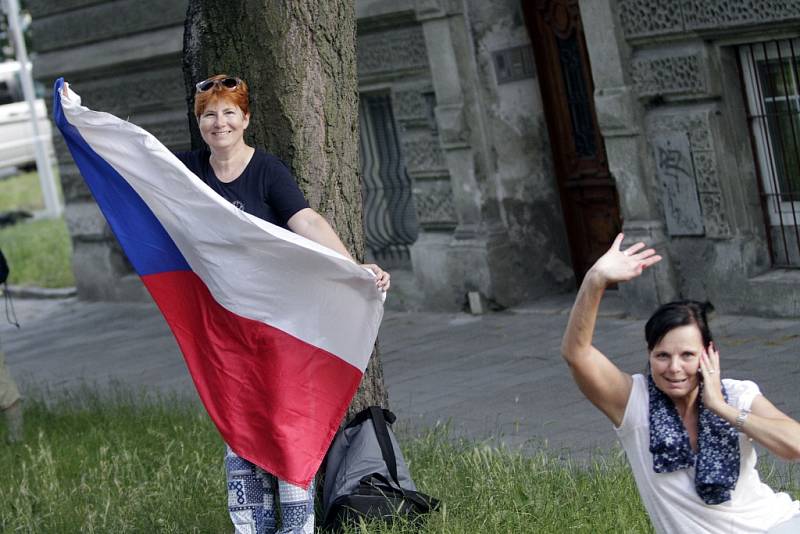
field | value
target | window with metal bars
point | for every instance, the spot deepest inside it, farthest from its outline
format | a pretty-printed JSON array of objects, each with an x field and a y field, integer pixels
[
  {"x": 771, "y": 76},
  {"x": 390, "y": 218}
]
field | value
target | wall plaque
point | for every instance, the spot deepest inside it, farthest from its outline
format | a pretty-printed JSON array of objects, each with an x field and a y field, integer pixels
[{"x": 512, "y": 64}]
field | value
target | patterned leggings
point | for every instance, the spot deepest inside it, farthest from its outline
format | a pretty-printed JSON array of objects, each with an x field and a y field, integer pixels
[{"x": 251, "y": 500}]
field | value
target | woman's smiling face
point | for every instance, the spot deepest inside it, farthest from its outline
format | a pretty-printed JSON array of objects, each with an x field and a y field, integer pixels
[
  {"x": 675, "y": 361},
  {"x": 222, "y": 124}
]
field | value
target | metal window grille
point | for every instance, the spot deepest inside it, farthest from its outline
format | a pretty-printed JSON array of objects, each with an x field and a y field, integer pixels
[
  {"x": 390, "y": 218},
  {"x": 771, "y": 74}
]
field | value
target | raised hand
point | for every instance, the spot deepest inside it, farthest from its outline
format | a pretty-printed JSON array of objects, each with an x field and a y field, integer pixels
[
  {"x": 618, "y": 265},
  {"x": 712, "y": 381}
]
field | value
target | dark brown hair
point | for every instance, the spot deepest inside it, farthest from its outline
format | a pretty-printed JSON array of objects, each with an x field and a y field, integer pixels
[{"x": 675, "y": 314}]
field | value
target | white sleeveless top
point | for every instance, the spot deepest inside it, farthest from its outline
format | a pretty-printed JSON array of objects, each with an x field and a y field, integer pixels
[{"x": 670, "y": 498}]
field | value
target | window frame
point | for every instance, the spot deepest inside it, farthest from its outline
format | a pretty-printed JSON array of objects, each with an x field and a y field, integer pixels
[{"x": 779, "y": 212}]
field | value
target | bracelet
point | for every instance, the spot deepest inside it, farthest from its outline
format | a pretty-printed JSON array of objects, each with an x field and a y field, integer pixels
[{"x": 740, "y": 419}]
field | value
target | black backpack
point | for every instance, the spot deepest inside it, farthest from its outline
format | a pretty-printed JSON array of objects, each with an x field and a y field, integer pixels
[
  {"x": 3, "y": 268},
  {"x": 367, "y": 477},
  {"x": 11, "y": 315}
]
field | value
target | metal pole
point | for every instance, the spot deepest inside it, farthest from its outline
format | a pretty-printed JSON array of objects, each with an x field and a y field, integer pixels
[{"x": 52, "y": 205}]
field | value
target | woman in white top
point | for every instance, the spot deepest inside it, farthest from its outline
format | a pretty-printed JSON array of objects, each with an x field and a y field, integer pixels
[{"x": 687, "y": 433}]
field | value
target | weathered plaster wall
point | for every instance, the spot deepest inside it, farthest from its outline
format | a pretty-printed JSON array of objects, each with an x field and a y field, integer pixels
[
  {"x": 520, "y": 181},
  {"x": 476, "y": 150},
  {"x": 393, "y": 59}
]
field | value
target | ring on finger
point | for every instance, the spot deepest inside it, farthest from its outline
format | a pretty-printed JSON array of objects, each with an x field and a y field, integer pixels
[{"x": 711, "y": 371}]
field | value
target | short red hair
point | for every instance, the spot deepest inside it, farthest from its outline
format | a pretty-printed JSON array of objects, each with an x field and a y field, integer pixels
[{"x": 239, "y": 95}]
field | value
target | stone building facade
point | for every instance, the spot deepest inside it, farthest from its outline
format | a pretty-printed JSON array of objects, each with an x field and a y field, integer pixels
[
  {"x": 702, "y": 152},
  {"x": 504, "y": 142}
]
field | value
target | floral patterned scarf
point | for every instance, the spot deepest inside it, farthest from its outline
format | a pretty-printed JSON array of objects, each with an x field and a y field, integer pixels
[{"x": 717, "y": 463}]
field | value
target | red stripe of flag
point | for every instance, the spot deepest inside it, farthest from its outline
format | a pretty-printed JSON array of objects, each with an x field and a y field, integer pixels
[{"x": 254, "y": 379}]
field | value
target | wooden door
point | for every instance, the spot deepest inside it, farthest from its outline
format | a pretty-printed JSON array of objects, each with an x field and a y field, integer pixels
[{"x": 588, "y": 194}]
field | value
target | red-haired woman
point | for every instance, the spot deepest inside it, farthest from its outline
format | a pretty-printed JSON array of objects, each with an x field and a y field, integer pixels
[{"x": 259, "y": 184}]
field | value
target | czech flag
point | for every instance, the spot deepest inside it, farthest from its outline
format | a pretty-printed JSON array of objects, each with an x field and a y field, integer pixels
[{"x": 276, "y": 330}]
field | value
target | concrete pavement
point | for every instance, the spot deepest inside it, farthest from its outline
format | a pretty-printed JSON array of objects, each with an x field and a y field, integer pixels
[{"x": 497, "y": 376}]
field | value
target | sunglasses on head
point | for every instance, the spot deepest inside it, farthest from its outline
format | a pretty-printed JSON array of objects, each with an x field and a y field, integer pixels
[{"x": 229, "y": 83}]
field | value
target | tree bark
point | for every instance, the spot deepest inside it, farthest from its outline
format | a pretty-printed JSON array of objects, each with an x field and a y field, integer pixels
[{"x": 298, "y": 58}]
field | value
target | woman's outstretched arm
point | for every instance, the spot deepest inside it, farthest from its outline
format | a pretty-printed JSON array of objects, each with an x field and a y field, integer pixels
[{"x": 598, "y": 378}]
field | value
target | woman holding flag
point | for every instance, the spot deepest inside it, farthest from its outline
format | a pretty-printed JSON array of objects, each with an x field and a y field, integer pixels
[
  {"x": 260, "y": 184},
  {"x": 250, "y": 382}
]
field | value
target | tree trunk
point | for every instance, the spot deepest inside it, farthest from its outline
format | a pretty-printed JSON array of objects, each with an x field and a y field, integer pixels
[{"x": 298, "y": 58}]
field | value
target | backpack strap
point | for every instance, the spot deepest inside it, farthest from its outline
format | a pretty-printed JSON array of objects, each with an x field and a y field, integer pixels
[
  {"x": 365, "y": 414},
  {"x": 424, "y": 503},
  {"x": 385, "y": 442}
]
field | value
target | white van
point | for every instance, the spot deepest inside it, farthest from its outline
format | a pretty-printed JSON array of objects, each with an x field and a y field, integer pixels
[{"x": 16, "y": 132}]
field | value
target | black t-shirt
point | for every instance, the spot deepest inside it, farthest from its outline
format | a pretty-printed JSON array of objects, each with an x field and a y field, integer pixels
[{"x": 265, "y": 188}]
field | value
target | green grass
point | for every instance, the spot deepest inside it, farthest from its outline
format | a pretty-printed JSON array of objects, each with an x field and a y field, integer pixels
[
  {"x": 106, "y": 465},
  {"x": 128, "y": 463},
  {"x": 39, "y": 253},
  {"x": 22, "y": 192},
  {"x": 490, "y": 490}
]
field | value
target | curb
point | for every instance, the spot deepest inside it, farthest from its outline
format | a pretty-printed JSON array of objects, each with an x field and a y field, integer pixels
[{"x": 33, "y": 292}]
